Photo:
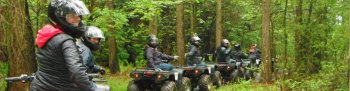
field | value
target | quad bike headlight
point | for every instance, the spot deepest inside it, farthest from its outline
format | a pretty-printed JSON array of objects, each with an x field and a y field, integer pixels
[
  {"x": 136, "y": 75},
  {"x": 196, "y": 72},
  {"x": 159, "y": 76}
]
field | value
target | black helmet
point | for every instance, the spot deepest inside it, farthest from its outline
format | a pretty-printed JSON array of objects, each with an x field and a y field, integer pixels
[
  {"x": 152, "y": 41},
  {"x": 92, "y": 32},
  {"x": 195, "y": 40},
  {"x": 225, "y": 43},
  {"x": 58, "y": 11},
  {"x": 237, "y": 46}
]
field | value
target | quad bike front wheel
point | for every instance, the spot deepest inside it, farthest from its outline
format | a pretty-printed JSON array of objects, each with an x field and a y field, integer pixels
[
  {"x": 217, "y": 79},
  {"x": 205, "y": 83},
  {"x": 168, "y": 86},
  {"x": 184, "y": 84},
  {"x": 132, "y": 86}
]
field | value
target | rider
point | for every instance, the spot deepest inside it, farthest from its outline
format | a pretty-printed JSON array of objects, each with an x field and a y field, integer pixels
[
  {"x": 156, "y": 59},
  {"x": 60, "y": 68},
  {"x": 237, "y": 54},
  {"x": 91, "y": 41},
  {"x": 193, "y": 56},
  {"x": 254, "y": 54},
  {"x": 223, "y": 52}
]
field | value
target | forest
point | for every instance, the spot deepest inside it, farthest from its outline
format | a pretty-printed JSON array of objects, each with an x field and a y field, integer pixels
[{"x": 304, "y": 43}]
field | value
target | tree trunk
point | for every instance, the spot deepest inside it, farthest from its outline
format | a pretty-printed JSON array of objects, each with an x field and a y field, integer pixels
[
  {"x": 112, "y": 45},
  {"x": 153, "y": 25},
  {"x": 266, "y": 42},
  {"x": 298, "y": 41},
  {"x": 19, "y": 38},
  {"x": 310, "y": 65},
  {"x": 285, "y": 34},
  {"x": 349, "y": 56},
  {"x": 272, "y": 40},
  {"x": 2, "y": 36},
  {"x": 113, "y": 57},
  {"x": 179, "y": 33},
  {"x": 218, "y": 28},
  {"x": 193, "y": 18}
]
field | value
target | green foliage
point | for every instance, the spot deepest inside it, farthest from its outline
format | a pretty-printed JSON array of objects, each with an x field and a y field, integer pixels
[
  {"x": 106, "y": 18},
  {"x": 331, "y": 77},
  {"x": 3, "y": 74},
  {"x": 324, "y": 28}
]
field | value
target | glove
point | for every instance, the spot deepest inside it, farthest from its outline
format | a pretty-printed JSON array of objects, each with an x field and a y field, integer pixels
[
  {"x": 176, "y": 57},
  {"x": 165, "y": 61},
  {"x": 102, "y": 71}
]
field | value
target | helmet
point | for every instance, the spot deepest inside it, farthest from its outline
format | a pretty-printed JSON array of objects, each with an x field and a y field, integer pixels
[
  {"x": 92, "y": 32},
  {"x": 58, "y": 11},
  {"x": 152, "y": 41},
  {"x": 237, "y": 46},
  {"x": 225, "y": 43},
  {"x": 195, "y": 40}
]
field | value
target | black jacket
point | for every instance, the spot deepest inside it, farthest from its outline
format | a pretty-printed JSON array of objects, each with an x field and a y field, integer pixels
[
  {"x": 238, "y": 55},
  {"x": 193, "y": 56},
  {"x": 60, "y": 68},
  {"x": 223, "y": 54},
  {"x": 87, "y": 57},
  {"x": 155, "y": 57}
]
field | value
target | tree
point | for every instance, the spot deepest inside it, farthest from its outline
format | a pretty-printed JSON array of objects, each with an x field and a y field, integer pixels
[
  {"x": 2, "y": 36},
  {"x": 298, "y": 35},
  {"x": 349, "y": 55},
  {"x": 193, "y": 16},
  {"x": 19, "y": 38},
  {"x": 285, "y": 33},
  {"x": 266, "y": 42},
  {"x": 218, "y": 28},
  {"x": 112, "y": 45},
  {"x": 179, "y": 33}
]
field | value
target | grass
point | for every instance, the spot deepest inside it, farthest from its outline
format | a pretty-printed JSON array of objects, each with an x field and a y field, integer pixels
[
  {"x": 248, "y": 86},
  {"x": 119, "y": 81}
]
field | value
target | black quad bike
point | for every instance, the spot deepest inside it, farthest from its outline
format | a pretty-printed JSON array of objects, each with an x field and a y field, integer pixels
[
  {"x": 96, "y": 78},
  {"x": 228, "y": 71},
  {"x": 202, "y": 76},
  {"x": 158, "y": 80},
  {"x": 246, "y": 69}
]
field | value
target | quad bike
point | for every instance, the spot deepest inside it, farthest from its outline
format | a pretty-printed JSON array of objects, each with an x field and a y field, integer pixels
[
  {"x": 202, "y": 75},
  {"x": 248, "y": 68},
  {"x": 28, "y": 78},
  {"x": 158, "y": 80},
  {"x": 228, "y": 71}
]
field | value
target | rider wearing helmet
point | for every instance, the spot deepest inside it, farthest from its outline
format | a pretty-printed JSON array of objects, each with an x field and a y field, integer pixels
[
  {"x": 193, "y": 56},
  {"x": 60, "y": 68},
  {"x": 237, "y": 54},
  {"x": 223, "y": 52},
  {"x": 156, "y": 59},
  {"x": 91, "y": 41}
]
